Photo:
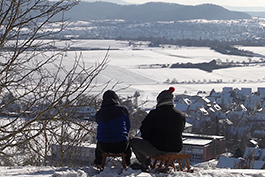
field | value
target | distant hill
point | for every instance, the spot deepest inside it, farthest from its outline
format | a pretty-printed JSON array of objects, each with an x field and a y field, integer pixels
[
  {"x": 151, "y": 12},
  {"x": 257, "y": 14}
]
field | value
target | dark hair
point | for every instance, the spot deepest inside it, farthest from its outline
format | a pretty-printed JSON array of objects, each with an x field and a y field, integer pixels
[{"x": 110, "y": 94}]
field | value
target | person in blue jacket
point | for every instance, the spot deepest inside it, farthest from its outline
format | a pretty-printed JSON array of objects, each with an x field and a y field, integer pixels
[{"x": 113, "y": 128}]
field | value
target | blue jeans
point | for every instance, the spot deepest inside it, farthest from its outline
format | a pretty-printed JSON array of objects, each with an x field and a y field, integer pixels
[{"x": 143, "y": 149}]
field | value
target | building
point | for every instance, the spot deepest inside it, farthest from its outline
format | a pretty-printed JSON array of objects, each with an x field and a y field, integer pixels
[
  {"x": 253, "y": 158},
  {"x": 202, "y": 148},
  {"x": 188, "y": 128},
  {"x": 261, "y": 91}
]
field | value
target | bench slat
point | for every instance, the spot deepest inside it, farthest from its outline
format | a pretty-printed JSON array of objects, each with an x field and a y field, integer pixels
[
  {"x": 113, "y": 155},
  {"x": 169, "y": 159}
]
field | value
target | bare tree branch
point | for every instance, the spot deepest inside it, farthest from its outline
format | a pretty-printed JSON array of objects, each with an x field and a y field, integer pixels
[{"x": 40, "y": 98}]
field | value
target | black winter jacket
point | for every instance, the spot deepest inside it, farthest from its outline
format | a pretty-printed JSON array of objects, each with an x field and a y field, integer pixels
[{"x": 163, "y": 127}]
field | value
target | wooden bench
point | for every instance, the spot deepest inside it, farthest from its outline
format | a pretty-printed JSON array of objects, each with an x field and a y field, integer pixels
[
  {"x": 112, "y": 157},
  {"x": 169, "y": 159}
]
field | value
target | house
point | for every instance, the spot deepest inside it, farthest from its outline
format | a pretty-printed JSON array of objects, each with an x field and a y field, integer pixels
[
  {"x": 183, "y": 104},
  {"x": 228, "y": 162},
  {"x": 238, "y": 111},
  {"x": 256, "y": 120},
  {"x": 203, "y": 111},
  {"x": 253, "y": 102},
  {"x": 258, "y": 134},
  {"x": 227, "y": 89},
  {"x": 202, "y": 148},
  {"x": 188, "y": 127},
  {"x": 244, "y": 92},
  {"x": 214, "y": 110},
  {"x": 225, "y": 100},
  {"x": 253, "y": 158},
  {"x": 261, "y": 91},
  {"x": 194, "y": 107},
  {"x": 222, "y": 98},
  {"x": 196, "y": 148},
  {"x": 256, "y": 157},
  {"x": 225, "y": 126},
  {"x": 205, "y": 101}
]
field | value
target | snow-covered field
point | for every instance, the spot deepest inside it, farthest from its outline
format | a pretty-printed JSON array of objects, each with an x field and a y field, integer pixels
[{"x": 128, "y": 66}]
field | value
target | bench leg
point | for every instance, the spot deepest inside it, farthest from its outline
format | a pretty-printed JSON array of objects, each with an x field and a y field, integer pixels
[
  {"x": 123, "y": 161},
  {"x": 188, "y": 165},
  {"x": 180, "y": 166},
  {"x": 161, "y": 163},
  {"x": 113, "y": 156},
  {"x": 172, "y": 164},
  {"x": 169, "y": 160},
  {"x": 154, "y": 164}
]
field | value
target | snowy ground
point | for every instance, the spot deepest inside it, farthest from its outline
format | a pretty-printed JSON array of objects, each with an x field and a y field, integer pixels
[
  {"x": 124, "y": 68},
  {"x": 202, "y": 170}
]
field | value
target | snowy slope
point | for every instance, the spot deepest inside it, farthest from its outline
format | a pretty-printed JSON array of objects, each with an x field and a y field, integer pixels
[
  {"x": 138, "y": 68},
  {"x": 128, "y": 67},
  {"x": 204, "y": 170}
]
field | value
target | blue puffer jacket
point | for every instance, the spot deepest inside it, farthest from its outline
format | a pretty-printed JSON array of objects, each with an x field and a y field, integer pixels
[{"x": 113, "y": 122}]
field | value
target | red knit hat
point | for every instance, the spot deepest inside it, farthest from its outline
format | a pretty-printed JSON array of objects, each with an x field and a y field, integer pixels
[{"x": 165, "y": 95}]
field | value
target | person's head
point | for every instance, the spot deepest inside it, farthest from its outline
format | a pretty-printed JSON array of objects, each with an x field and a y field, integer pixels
[
  {"x": 110, "y": 94},
  {"x": 166, "y": 97}
]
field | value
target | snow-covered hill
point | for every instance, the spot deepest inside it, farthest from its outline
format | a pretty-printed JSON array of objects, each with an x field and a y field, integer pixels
[{"x": 138, "y": 67}]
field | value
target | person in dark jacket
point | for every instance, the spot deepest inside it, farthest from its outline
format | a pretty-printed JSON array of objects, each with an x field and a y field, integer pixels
[
  {"x": 113, "y": 128},
  {"x": 161, "y": 130}
]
